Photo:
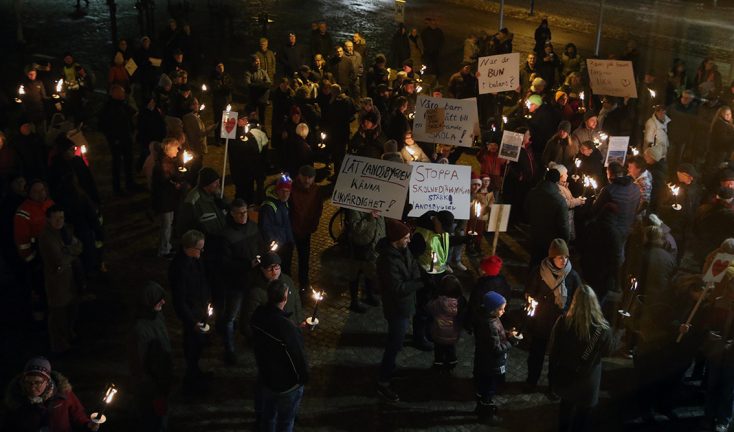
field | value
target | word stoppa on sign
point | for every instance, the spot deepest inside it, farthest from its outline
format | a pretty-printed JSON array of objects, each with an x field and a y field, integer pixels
[{"x": 440, "y": 187}]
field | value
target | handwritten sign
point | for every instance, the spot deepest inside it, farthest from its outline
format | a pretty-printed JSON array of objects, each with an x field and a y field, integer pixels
[
  {"x": 499, "y": 73},
  {"x": 612, "y": 78},
  {"x": 440, "y": 187},
  {"x": 511, "y": 145},
  {"x": 717, "y": 269},
  {"x": 399, "y": 11},
  {"x": 617, "y": 149},
  {"x": 131, "y": 67},
  {"x": 446, "y": 121},
  {"x": 229, "y": 125},
  {"x": 368, "y": 184}
]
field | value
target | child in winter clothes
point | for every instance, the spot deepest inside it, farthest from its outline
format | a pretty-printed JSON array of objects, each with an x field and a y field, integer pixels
[
  {"x": 490, "y": 280},
  {"x": 447, "y": 311},
  {"x": 492, "y": 344}
]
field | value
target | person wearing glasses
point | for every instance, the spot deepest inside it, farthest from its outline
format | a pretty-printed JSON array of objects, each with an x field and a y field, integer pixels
[
  {"x": 40, "y": 399},
  {"x": 191, "y": 297},
  {"x": 257, "y": 295}
]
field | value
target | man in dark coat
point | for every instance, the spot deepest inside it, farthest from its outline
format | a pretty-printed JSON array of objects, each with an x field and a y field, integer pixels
[
  {"x": 33, "y": 99},
  {"x": 621, "y": 191},
  {"x": 241, "y": 242},
  {"x": 30, "y": 151},
  {"x": 713, "y": 223},
  {"x": 542, "y": 124},
  {"x": 399, "y": 276},
  {"x": 116, "y": 122},
  {"x": 291, "y": 57},
  {"x": 433, "y": 40},
  {"x": 547, "y": 213},
  {"x": 321, "y": 42},
  {"x": 368, "y": 140},
  {"x": 282, "y": 367},
  {"x": 190, "y": 291},
  {"x": 150, "y": 357}
]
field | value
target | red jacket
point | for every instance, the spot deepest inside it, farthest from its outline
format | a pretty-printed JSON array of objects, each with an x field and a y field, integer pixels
[
  {"x": 60, "y": 410},
  {"x": 306, "y": 206},
  {"x": 28, "y": 223}
]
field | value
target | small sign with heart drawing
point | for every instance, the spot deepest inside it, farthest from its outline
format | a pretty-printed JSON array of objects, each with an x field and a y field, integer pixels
[
  {"x": 718, "y": 267},
  {"x": 229, "y": 125}
]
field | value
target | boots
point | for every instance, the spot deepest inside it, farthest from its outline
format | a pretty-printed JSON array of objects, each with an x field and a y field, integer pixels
[
  {"x": 355, "y": 305},
  {"x": 487, "y": 412},
  {"x": 369, "y": 293}
]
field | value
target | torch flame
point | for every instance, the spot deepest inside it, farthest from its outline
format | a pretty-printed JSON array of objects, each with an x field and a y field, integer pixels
[
  {"x": 201, "y": 108},
  {"x": 477, "y": 209},
  {"x": 504, "y": 119},
  {"x": 187, "y": 157},
  {"x": 581, "y": 95},
  {"x": 603, "y": 136},
  {"x": 203, "y": 87},
  {"x": 531, "y": 306},
  {"x": 229, "y": 107},
  {"x": 318, "y": 296},
  {"x": 411, "y": 115},
  {"x": 434, "y": 257},
  {"x": 423, "y": 69},
  {"x": 635, "y": 152},
  {"x": 209, "y": 310},
  {"x": 577, "y": 162},
  {"x": 674, "y": 189},
  {"x": 633, "y": 284},
  {"x": 418, "y": 89},
  {"x": 323, "y": 136},
  {"x": 527, "y": 104},
  {"x": 83, "y": 149},
  {"x": 110, "y": 394},
  {"x": 59, "y": 85},
  {"x": 21, "y": 90},
  {"x": 273, "y": 246},
  {"x": 652, "y": 93}
]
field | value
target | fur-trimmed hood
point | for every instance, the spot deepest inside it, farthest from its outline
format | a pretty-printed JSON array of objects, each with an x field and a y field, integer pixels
[{"x": 15, "y": 395}]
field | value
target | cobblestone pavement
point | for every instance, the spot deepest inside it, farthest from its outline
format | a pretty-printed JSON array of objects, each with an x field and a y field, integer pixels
[{"x": 345, "y": 349}]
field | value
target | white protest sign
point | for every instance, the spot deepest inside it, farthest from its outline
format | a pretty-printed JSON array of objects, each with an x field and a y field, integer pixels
[
  {"x": 446, "y": 121},
  {"x": 440, "y": 187},
  {"x": 617, "y": 149},
  {"x": 499, "y": 73},
  {"x": 229, "y": 125},
  {"x": 612, "y": 78},
  {"x": 499, "y": 217},
  {"x": 717, "y": 269},
  {"x": 511, "y": 145},
  {"x": 367, "y": 184}
]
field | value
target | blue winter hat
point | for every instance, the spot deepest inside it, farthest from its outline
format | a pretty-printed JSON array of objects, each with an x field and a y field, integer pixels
[{"x": 492, "y": 301}]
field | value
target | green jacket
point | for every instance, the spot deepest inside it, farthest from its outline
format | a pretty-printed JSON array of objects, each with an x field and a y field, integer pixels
[
  {"x": 201, "y": 211},
  {"x": 258, "y": 295}
]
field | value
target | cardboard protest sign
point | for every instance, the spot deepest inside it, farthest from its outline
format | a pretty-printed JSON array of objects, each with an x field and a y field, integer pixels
[
  {"x": 367, "y": 184},
  {"x": 131, "y": 67},
  {"x": 499, "y": 73},
  {"x": 499, "y": 217},
  {"x": 229, "y": 125},
  {"x": 399, "y": 11},
  {"x": 617, "y": 149},
  {"x": 440, "y": 187},
  {"x": 612, "y": 78},
  {"x": 446, "y": 121},
  {"x": 155, "y": 61},
  {"x": 717, "y": 269},
  {"x": 511, "y": 145}
]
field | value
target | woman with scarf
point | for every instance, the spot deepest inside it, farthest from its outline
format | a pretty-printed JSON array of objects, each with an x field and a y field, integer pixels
[{"x": 551, "y": 285}]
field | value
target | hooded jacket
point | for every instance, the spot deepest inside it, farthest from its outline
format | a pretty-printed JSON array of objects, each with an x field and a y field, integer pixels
[
  {"x": 149, "y": 347},
  {"x": 60, "y": 411}
]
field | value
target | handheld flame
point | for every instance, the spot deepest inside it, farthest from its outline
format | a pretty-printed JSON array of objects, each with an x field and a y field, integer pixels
[
  {"x": 187, "y": 157},
  {"x": 635, "y": 152},
  {"x": 229, "y": 108},
  {"x": 652, "y": 93},
  {"x": 273, "y": 246},
  {"x": 577, "y": 162},
  {"x": 201, "y": 107},
  {"x": 581, "y": 96},
  {"x": 203, "y": 87},
  {"x": 423, "y": 69},
  {"x": 209, "y": 310},
  {"x": 21, "y": 90},
  {"x": 418, "y": 89},
  {"x": 110, "y": 394},
  {"x": 317, "y": 296},
  {"x": 83, "y": 149},
  {"x": 411, "y": 115},
  {"x": 477, "y": 209},
  {"x": 504, "y": 119},
  {"x": 527, "y": 104},
  {"x": 531, "y": 306}
]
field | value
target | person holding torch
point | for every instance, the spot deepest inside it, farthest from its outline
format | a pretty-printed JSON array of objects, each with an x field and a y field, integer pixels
[
  {"x": 551, "y": 285},
  {"x": 42, "y": 399}
]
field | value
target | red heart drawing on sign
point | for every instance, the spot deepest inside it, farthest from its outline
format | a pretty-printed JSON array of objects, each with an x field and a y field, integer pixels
[
  {"x": 718, "y": 266},
  {"x": 230, "y": 124}
]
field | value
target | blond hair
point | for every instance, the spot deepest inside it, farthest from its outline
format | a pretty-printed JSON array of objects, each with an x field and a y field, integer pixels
[{"x": 585, "y": 313}]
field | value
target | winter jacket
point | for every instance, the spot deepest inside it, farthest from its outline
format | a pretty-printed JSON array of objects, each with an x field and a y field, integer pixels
[
  {"x": 31, "y": 154},
  {"x": 189, "y": 289},
  {"x": 560, "y": 151},
  {"x": 60, "y": 411},
  {"x": 267, "y": 62},
  {"x": 547, "y": 213},
  {"x": 167, "y": 185},
  {"x": 713, "y": 223},
  {"x": 654, "y": 268},
  {"x": 484, "y": 285},
  {"x": 275, "y": 221},
  {"x": 721, "y": 141},
  {"x": 306, "y": 208},
  {"x": 448, "y": 316},
  {"x": 28, "y": 223},
  {"x": 547, "y": 311},
  {"x": 399, "y": 277},
  {"x": 257, "y": 84},
  {"x": 149, "y": 347},
  {"x": 490, "y": 345},
  {"x": 195, "y": 131},
  {"x": 656, "y": 134},
  {"x": 200, "y": 211},
  {"x": 59, "y": 249},
  {"x": 602, "y": 253},
  {"x": 625, "y": 195},
  {"x": 116, "y": 121},
  {"x": 542, "y": 124},
  {"x": 575, "y": 364},
  {"x": 279, "y": 352},
  {"x": 290, "y": 58},
  {"x": 240, "y": 247},
  {"x": 257, "y": 296}
]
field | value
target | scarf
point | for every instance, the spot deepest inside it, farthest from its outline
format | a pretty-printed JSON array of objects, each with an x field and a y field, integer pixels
[{"x": 556, "y": 280}]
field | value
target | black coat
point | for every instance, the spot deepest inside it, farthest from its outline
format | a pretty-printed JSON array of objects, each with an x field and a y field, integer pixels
[
  {"x": 240, "y": 246},
  {"x": 602, "y": 253},
  {"x": 547, "y": 312},
  {"x": 547, "y": 213},
  {"x": 575, "y": 378},
  {"x": 290, "y": 58},
  {"x": 167, "y": 185},
  {"x": 713, "y": 224},
  {"x": 279, "y": 352},
  {"x": 625, "y": 195},
  {"x": 543, "y": 124},
  {"x": 399, "y": 277},
  {"x": 116, "y": 121},
  {"x": 32, "y": 155},
  {"x": 189, "y": 289}
]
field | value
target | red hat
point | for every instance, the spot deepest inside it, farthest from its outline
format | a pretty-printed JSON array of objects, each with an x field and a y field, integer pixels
[
  {"x": 475, "y": 178},
  {"x": 491, "y": 265},
  {"x": 395, "y": 229},
  {"x": 283, "y": 182},
  {"x": 484, "y": 175}
]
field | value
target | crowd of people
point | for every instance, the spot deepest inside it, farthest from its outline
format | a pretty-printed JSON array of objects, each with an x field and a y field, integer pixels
[{"x": 617, "y": 250}]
